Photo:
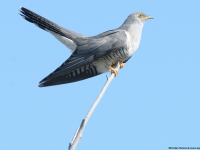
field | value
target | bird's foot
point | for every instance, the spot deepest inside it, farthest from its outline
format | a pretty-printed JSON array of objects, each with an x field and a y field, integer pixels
[
  {"x": 114, "y": 70},
  {"x": 121, "y": 65}
]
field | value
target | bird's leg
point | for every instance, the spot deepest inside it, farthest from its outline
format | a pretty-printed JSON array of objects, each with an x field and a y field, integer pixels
[
  {"x": 121, "y": 65},
  {"x": 114, "y": 70}
]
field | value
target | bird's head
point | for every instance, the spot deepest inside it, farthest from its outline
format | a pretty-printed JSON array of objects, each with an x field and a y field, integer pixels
[
  {"x": 139, "y": 17},
  {"x": 135, "y": 19}
]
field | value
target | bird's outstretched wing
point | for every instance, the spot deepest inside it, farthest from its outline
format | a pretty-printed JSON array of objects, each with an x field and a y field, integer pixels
[
  {"x": 88, "y": 50},
  {"x": 63, "y": 35}
]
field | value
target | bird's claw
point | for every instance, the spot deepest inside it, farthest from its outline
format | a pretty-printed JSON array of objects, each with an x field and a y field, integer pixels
[
  {"x": 121, "y": 65},
  {"x": 114, "y": 70}
]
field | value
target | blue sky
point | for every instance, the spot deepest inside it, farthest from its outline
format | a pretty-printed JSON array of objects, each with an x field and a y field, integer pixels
[{"x": 153, "y": 103}]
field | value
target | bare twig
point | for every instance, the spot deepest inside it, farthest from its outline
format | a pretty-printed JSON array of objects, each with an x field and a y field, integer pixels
[{"x": 79, "y": 131}]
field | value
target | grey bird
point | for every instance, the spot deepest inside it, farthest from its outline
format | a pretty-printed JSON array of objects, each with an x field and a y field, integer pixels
[{"x": 94, "y": 55}]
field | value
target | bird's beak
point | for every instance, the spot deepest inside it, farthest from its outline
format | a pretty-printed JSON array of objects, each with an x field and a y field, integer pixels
[{"x": 148, "y": 17}]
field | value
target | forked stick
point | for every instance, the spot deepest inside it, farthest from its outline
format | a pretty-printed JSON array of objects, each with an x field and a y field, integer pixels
[{"x": 79, "y": 131}]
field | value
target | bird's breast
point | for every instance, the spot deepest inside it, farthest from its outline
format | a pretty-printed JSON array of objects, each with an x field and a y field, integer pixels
[
  {"x": 134, "y": 46},
  {"x": 133, "y": 38}
]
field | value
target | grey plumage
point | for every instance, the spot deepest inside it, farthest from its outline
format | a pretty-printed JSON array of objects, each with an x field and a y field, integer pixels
[
  {"x": 44, "y": 23},
  {"x": 92, "y": 55}
]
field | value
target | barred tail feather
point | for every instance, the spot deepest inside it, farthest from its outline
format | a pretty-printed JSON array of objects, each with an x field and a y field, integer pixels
[{"x": 45, "y": 24}]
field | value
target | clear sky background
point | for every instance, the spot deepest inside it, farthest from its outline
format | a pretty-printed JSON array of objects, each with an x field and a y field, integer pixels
[{"x": 153, "y": 103}]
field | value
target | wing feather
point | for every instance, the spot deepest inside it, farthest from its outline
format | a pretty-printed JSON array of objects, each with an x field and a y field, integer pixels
[{"x": 89, "y": 50}]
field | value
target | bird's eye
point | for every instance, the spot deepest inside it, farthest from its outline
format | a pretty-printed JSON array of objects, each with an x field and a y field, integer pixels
[{"x": 140, "y": 15}]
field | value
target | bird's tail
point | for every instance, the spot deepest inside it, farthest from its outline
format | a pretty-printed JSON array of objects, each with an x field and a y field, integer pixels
[{"x": 45, "y": 24}]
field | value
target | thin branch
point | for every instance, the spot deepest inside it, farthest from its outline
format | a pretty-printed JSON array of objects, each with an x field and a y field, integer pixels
[{"x": 79, "y": 131}]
